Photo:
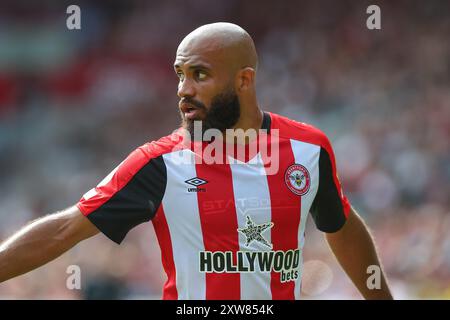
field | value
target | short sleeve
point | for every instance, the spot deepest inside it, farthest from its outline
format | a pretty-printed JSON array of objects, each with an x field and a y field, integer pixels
[
  {"x": 127, "y": 197},
  {"x": 330, "y": 207}
]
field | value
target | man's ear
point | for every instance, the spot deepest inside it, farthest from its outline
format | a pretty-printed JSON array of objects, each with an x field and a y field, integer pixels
[{"x": 245, "y": 79}]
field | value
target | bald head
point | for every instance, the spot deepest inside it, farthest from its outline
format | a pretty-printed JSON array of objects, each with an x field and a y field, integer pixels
[
  {"x": 230, "y": 44},
  {"x": 216, "y": 66}
]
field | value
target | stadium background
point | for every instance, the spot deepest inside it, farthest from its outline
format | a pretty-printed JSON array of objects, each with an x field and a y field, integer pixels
[{"x": 73, "y": 104}]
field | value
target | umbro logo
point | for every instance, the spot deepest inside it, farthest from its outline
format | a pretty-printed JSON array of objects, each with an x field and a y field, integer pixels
[{"x": 196, "y": 182}]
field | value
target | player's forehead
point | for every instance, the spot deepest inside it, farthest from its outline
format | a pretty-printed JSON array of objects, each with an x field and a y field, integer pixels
[
  {"x": 191, "y": 61},
  {"x": 197, "y": 52}
]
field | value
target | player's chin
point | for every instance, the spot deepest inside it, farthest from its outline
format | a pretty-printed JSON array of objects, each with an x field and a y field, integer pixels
[
  {"x": 191, "y": 124},
  {"x": 191, "y": 119}
]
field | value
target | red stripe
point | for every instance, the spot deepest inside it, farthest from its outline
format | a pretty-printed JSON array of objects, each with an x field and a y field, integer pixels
[
  {"x": 286, "y": 207},
  {"x": 219, "y": 226},
  {"x": 165, "y": 243}
]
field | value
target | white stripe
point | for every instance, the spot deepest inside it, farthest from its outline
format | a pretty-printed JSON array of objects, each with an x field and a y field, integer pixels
[
  {"x": 183, "y": 220},
  {"x": 307, "y": 155},
  {"x": 252, "y": 198}
]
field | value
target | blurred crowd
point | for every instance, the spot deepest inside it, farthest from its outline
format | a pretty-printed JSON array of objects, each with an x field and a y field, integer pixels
[{"x": 74, "y": 103}]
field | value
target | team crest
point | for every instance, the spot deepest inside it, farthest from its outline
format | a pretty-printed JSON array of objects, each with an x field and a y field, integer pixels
[{"x": 297, "y": 179}]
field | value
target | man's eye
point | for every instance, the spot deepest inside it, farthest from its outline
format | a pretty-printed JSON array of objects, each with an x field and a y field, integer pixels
[
  {"x": 180, "y": 75},
  {"x": 200, "y": 75}
]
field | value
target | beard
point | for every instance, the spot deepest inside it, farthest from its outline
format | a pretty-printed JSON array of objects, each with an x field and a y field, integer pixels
[{"x": 223, "y": 113}]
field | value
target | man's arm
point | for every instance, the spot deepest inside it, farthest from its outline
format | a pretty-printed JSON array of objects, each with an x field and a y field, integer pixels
[
  {"x": 42, "y": 241},
  {"x": 354, "y": 248}
]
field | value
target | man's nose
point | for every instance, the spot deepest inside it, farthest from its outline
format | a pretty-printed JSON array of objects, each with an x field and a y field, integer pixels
[{"x": 186, "y": 89}]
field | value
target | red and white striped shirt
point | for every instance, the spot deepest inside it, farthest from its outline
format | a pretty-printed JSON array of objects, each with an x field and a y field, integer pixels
[{"x": 226, "y": 230}]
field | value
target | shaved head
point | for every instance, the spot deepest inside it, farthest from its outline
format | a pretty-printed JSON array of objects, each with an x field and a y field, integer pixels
[
  {"x": 216, "y": 65},
  {"x": 231, "y": 43}
]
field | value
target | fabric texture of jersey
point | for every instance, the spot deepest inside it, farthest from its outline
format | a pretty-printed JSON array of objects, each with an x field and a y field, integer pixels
[{"x": 226, "y": 230}]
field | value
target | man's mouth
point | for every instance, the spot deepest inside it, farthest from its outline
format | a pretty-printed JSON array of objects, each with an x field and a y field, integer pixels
[{"x": 190, "y": 111}]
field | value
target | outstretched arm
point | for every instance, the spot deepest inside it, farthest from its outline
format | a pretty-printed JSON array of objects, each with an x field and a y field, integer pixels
[
  {"x": 354, "y": 248},
  {"x": 42, "y": 241}
]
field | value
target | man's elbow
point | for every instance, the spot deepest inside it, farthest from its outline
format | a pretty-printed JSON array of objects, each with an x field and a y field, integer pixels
[{"x": 73, "y": 227}]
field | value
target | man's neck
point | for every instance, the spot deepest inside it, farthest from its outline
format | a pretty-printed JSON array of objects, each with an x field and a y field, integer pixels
[{"x": 250, "y": 120}]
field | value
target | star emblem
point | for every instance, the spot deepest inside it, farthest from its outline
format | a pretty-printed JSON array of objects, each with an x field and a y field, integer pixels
[{"x": 253, "y": 232}]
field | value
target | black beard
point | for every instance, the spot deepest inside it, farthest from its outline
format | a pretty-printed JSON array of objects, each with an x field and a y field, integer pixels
[{"x": 223, "y": 114}]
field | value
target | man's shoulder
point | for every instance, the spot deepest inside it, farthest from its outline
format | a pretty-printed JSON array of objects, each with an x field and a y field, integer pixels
[
  {"x": 296, "y": 130},
  {"x": 163, "y": 145}
]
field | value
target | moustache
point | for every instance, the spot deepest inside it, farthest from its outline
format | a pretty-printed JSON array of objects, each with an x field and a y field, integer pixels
[{"x": 193, "y": 102}]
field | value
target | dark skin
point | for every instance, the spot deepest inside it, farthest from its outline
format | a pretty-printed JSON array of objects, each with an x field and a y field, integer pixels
[
  {"x": 42, "y": 241},
  {"x": 209, "y": 60},
  {"x": 354, "y": 248}
]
